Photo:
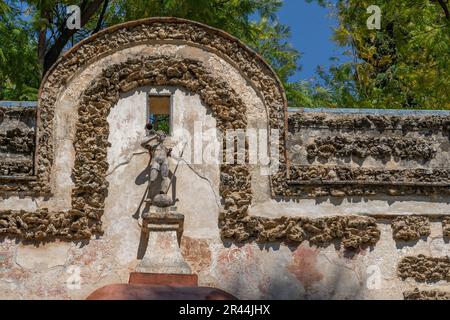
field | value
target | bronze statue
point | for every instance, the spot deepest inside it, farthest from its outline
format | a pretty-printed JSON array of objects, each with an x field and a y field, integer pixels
[{"x": 159, "y": 165}]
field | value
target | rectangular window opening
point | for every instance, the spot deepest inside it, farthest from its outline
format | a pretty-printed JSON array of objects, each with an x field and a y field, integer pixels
[{"x": 159, "y": 112}]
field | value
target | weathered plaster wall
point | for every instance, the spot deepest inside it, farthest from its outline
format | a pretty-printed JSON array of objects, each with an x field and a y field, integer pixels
[
  {"x": 250, "y": 271},
  {"x": 237, "y": 237},
  {"x": 366, "y": 163}
]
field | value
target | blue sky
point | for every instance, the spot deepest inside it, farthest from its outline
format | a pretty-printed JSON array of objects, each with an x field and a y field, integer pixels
[{"x": 311, "y": 27}]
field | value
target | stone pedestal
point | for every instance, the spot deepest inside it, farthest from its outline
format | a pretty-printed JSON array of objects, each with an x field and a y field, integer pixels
[
  {"x": 163, "y": 255},
  {"x": 162, "y": 274}
]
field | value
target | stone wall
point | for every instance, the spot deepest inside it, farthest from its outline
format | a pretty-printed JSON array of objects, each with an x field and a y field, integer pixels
[
  {"x": 336, "y": 257},
  {"x": 17, "y": 140},
  {"x": 362, "y": 154},
  {"x": 358, "y": 207}
]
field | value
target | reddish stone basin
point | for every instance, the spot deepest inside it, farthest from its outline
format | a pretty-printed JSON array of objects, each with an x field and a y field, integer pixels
[{"x": 145, "y": 286}]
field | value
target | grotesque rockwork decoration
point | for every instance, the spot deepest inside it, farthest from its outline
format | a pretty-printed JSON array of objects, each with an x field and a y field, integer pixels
[
  {"x": 425, "y": 269},
  {"x": 410, "y": 228},
  {"x": 339, "y": 155},
  {"x": 446, "y": 227},
  {"x": 351, "y": 145},
  {"x": 17, "y": 142},
  {"x": 159, "y": 165}
]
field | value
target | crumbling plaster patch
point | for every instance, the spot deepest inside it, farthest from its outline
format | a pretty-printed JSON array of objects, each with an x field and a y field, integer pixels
[{"x": 41, "y": 257}]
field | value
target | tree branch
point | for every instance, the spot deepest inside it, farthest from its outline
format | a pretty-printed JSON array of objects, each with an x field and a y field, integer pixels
[
  {"x": 101, "y": 17},
  {"x": 42, "y": 38},
  {"x": 445, "y": 8},
  {"x": 55, "y": 50}
]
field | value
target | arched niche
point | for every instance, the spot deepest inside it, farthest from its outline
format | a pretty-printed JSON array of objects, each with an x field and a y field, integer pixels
[{"x": 237, "y": 87}]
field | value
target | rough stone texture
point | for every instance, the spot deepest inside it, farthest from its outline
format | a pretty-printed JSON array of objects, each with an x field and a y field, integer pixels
[
  {"x": 134, "y": 33},
  {"x": 365, "y": 154},
  {"x": 378, "y": 122},
  {"x": 425, "y": 269},
  {"x": 17, "y": 141},
  {"x": 18, "y": 166},
  {"x": 363, "y": 146},
  {"x": 354, "y": 232},
  {"x": 410, "y": 228},
  {"x": 39, "y": 225},
  {"x": 418, "y": 294},
  {"x": 322, "y": 181},
  {"x": 446, "y": 227}
]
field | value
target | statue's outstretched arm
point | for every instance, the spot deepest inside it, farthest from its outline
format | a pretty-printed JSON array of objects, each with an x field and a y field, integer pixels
[{"x": 144, "y": 144}]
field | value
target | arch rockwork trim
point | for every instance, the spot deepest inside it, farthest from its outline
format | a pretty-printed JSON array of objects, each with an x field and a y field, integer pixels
[
  {"x": 91, "y": 142},
  {"x": 139, "y": 32}
]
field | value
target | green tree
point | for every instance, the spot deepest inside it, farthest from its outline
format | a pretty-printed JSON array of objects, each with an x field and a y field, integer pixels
[{"x": 403, "y": 65}]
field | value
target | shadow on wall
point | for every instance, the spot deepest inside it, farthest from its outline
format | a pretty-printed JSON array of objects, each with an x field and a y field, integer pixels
[
  {"x": 144, "y": 205},
  {"x": 306, "y": 273}
]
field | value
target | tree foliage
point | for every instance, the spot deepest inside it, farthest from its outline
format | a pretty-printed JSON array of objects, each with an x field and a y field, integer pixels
[
  {"x": 403, "y": 65},
  {"x": 19, "y": 70}
]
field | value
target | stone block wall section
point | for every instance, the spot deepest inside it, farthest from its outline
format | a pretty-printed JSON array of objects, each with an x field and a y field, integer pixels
[
  {"x": 17, "y": 140},
  {"x": 367, "y": 154},
  {"x": 354, "y": 232}
]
